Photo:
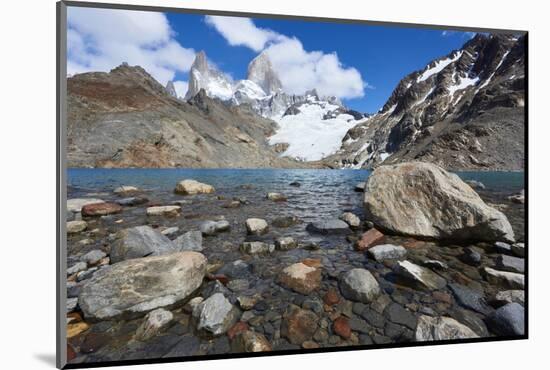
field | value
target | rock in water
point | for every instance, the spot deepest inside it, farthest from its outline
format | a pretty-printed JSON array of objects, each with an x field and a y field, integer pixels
[
  {"x": 370, "y": 239},
  {"x": 191, "y": 187},
  {"x": 509, "y": 296},
  {"x": 74, "y": 227},
  {"x": 519, "y": 249},
  {"x": 509, "y": 263},
  {"x": 257, "y": 248},
  {"x": 387, "y": 251},
  {"x": 93, "y": 257},
  {"x": 139, "y": 241},
  {"x": 299, "y": 325},
  {"x": 134, "y": 287},
  {"x": 352, "y": 220},
  {"x": 422, "y": 199},
  {"x": 125, "y": 190},
  {"x": 510, "y": 280},
  {"x": 76, "y": 204},
  {"x": 170, "y": 211},
  {"x": 359, "y": 285},
  {"x": 285, "y": 243},
  {"x": 419, "y": 275},
  {"x": 217, "y": 314},
  {"x": 276, "y": 197},
  {"x": 256, "y": 226},
  {"x": 329, "y": 227},
  {"x": 154, "y": 323},
  {"x": 100, "y": 209},
  {"x": 210, "y": 228},
  {"x": 249, "y": 341},
  {"x": 508, "y": 320},
  {"x": 190, "y": 241},
  {"x": 301, "y": 278},
  {"x": 441, "y": 328}
]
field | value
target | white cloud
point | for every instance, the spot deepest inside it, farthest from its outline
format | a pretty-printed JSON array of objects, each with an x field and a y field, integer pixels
[
  {"x": 239, "y": 31},
  {"x": 101, "y": 39},
  {"x": 298, "y": 69},
  {"x": 181, "y": 88}
]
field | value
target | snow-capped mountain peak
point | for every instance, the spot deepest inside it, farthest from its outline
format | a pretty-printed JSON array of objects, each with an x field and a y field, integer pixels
[
  {"x": 214, "y": 82},
  {"x": 261, "y": 72}
]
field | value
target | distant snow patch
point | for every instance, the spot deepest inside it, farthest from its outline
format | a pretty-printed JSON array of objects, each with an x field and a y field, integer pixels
[{"x": 438, "y": 67}]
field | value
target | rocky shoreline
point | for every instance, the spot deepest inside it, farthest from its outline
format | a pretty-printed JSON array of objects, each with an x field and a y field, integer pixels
[{"x": 199, "y": 272}]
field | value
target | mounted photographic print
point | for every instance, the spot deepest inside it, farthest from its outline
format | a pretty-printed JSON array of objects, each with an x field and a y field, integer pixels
[{"x": 238, "y": 184}]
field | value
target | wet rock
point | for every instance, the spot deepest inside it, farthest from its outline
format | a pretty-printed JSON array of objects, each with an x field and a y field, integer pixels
[
  {"x": 285, "y": 221},
  {"x": 247, "y": 303},
  {"x": 74, "y": 329},
  {"x": 352, "y": 220},
  {"x": 420, "y": 276},
  {"x": 75, "y": 205},
  {"x": 295, "y": 184},
  {"x": 509, "y": 296},
  {"x": 85, "y": 275},
  {"x": 441, "y": 328},
  {"x": 406, "y": 199},
  {"x": 471, "y": 320},
  {"x": 469, "y": 298},
  {"x": 131, "y": 288},
  {"x": 132, "y": 201},
  {"x": 100, "y": 209},
  {"x": 301, "y": 278},
  {"x": 217, "y": 314},
  {"x": 74, "y": 227},
  {"x": 170, "y": 232},
  {"x": 299, "y": 325},
  {"x": 373, "y": 318},
  {"x": 236, "y": 269},
  {"x": 518, "y": 198},
  {"x": 249, "y": 341},
  {"x": 369, "y": 239},
  {"x": 285, "y": 243},
  {"x": 125, "y": 190},
  {"x": 256, "y": 226},
  {"x": 236, "y": 329},
  {"x": 471, "y": 257},
  {"x": 276, "y": 197},
  {"x": 359, "y": 325},
  {"x": 238, "y": 285},
  {"x": 138, "y": 242},
  {"x": 341, "y": 327},
  {"x": 188, "y": 345},
  {"x": 399, "y": 315},
  {"x": 509, "y": 263},
  {"x": 508, "y": 320},
  {"x": 310, "y": 246},
  {"x": 76, "y": 268},
  {"x": 155, "y": 322},
  {"x": 387, "y": 251},
  {"x": 192, "y": 187},
  {"x": 232, "y": 204},
  {"x": 501, "y": 247},
  {"x": 257, "y": 248},
  {"x": 169, "y": 211},
  {"x": 331, "y": 297},
  {"x": 435, "y": 265},
  {"x": 359, "y": 285},
  {"x": 360, "y": 187},
  {"x": 71, "y": 304},
  {"x": 334, "y": 226},
  {"x": 93, "y": 257},
  {"x": 309, "y": 344},
  {"x": 190, "y": 241},
  {"x": 210, "y": 228},
  {"x": 518, "y": 249},
  {"x": 505, "y": 279}
]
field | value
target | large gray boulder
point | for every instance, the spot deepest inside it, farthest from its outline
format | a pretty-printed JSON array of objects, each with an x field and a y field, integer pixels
[
  {"x": 359, "y": 285},
  {"x": 139, "y": 241},
  {"x": 190, "y": 241},
  {"x": 508, "y": 320},
  {"x": 132, "y": 288},
  {"x": 216, "y": 314},
  {"x": 423, "y": 200}
]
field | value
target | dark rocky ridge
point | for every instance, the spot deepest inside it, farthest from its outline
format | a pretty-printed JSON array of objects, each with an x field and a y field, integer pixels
[
  {"x": 480, "y": 126},
  {"x": 125, "y": 118}
]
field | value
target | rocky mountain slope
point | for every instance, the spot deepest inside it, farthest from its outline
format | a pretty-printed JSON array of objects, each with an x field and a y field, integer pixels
[
  {"x": 462, "y": 111},
  {"x": 125, "y": 118}
]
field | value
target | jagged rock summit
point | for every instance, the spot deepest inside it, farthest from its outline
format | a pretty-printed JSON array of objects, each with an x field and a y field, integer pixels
[{"x": 261, "y": 72}]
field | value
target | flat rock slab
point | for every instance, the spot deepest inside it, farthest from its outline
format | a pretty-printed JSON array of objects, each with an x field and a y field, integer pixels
[
  {"x": 210, "y": 228},
  {"x": 406, "y": 199},
  {"x": 505, "y": 279},
  {"x": 419, "y": 275},
  {"x": 190, "y": 241},
  {"x": 256, "y": 226},
  {"x": 441, "y": 328},
  {"x": 470, "y": 299},
  {"x": 329, "y": 227},
  {"x": 163, "y": 211},
  {"x": 139, "y": 241},
  {"x": 191, "y": 187},
  {"x": 100, "y": 209},
  {"x": 217, "y": 314},
  {"x": 509, "y": 263},
  {"x": 370, "y": 239},
  {"x": 301, "y": 278},
  {"x": 134, "y": 287},
  {"x": 75, "y": 205},
  {"x": 387, "y": 251}
]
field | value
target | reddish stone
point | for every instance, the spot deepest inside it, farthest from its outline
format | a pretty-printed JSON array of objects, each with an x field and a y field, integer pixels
[
  {"x": 370, "y": 239},
  {"x": 101, "y": 209},
  {"x": 309, "y": 344},
  {"x": 299, "y": 325},
  {"x": 443, "y": 297},
  {"x": 341, "y": 327},
  {"x": 71, "y": 354},
  {"x": 236, "y": 329},
  {"x": 332, "y": 297},
  {"x": 312, "y": 262},
  {"x": 220, "y": 277},
  {"x": 414, "y": 244}
]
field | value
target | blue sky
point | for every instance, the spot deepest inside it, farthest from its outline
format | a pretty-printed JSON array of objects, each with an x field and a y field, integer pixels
[{"x": 360, "y": 63}]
